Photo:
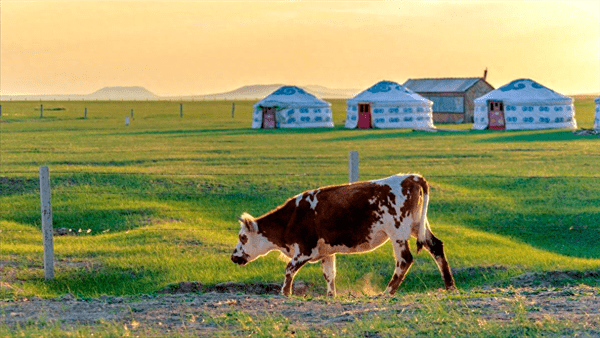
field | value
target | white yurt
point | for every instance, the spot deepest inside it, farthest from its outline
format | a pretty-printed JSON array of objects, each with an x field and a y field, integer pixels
[
  {"x": 524, "y": 104},
  {"x": 291, "y": 107},
  {"x": 389, "y": 105},
  {"x": 597, "y": 116}
]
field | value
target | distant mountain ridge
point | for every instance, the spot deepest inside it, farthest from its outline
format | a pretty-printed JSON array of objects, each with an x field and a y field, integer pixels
[
  {"x": 123, "y": 93},
  {"x": 134, "y": 93},
  {"x": 260, "y": 91}
]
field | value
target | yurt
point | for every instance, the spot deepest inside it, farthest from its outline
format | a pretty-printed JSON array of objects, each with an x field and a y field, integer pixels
[
  {"x": 597, "y": 116},
  {"x": 524, "y": 104},
  {"x": 389, "y": 105},
  {"x": 291, "y": 107}
]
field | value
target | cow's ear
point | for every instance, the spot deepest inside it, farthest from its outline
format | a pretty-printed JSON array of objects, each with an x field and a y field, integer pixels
[{"x": 248, "y": 222}]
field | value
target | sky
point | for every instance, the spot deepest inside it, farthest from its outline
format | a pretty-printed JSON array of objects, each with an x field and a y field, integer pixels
[{"x": 200, "y": 47}]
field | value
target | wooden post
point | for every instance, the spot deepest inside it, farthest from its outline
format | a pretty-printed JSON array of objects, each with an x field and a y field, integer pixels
[
  {"x": 181, "y": 110},
  {"x": 232, "y": 109},
  {"x": 85, "y": 113},
  {"x": 353, "y": 167},
  {"x": 41, "y": 110},
  {"x": 47, "y": 223}
]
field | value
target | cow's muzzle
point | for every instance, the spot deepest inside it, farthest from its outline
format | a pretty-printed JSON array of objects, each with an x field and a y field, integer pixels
[{"x": 239, "y": 260}]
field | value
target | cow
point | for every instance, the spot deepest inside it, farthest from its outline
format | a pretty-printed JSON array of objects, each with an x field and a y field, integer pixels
[{"x": 350, "y": 218}]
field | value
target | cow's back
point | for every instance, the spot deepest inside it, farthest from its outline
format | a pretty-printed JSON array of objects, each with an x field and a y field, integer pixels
[{"x": 341, "y": 215}]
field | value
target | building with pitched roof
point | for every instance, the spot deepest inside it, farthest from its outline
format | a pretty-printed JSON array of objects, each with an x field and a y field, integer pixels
[
  {"x": 291, "y": 107},
  {"x": 597, "y": 115},
  {"x": 388, "y": 105},
  {"x": 524, "y": 104},
  {"x": 452, "y": 97}
]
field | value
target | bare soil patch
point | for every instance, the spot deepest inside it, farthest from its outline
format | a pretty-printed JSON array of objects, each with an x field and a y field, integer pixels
[
  {"x": 300, "y": 288},
  {"x": 192, "y": 307},
  {"x": 553, "y": 278}
]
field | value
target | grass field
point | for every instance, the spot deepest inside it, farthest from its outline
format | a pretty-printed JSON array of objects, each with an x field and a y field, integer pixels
[{"x": 155, "y": 202}]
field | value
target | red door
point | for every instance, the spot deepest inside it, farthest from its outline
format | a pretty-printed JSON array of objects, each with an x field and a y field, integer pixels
[
  {"x": 496, "y": 115},
  {"x": 364, "y": 116},
  {"x": 268, "y": 118}
]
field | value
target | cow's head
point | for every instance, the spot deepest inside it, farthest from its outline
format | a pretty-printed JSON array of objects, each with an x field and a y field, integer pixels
[{"x": 251, "y": 244}]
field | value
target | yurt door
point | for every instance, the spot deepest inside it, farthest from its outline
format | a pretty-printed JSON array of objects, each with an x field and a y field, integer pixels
[
  {"x": 364, "y": 116},
  {"x": 496, "y": 115},
  {"x": 268, "y": 118}
]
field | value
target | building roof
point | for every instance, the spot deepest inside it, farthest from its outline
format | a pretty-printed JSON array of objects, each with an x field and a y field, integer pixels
[
  {"x": 441, "y": 85},
  {"x": 525, "y": 91},
  {"x": 289, "y": 96}
]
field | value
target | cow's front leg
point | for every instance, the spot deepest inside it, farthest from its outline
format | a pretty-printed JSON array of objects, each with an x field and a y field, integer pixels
[
  {"x": 329, "y": 274},
  {"x": 290, "y": 272},
  {"x": 404, "y": 260}
]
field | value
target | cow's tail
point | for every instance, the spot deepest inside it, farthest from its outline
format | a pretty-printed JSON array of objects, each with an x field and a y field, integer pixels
[{"x": 423, "y": 222}]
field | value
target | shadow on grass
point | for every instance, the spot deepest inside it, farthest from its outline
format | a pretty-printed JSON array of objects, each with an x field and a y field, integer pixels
[
  {"x": 93, "y": 221},
  {"x": 564, "y": 220},
  {"x": 532, "y": 136},
  {"x": 115, "y": 202},
  {"x": 113, "y": 281},
  {"x": 18, "y": 185},
  {"x": 215, "y": 132},
  {"x": 375, "y": 134}
]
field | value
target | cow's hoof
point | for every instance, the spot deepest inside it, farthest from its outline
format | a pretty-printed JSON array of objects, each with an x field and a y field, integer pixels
[
  {"x": 451, "y": 288},
  {"x": 383, "y": 295}
]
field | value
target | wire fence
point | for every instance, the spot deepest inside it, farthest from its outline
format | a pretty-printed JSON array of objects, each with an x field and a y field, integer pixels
[{"x": 137, "y": 209}]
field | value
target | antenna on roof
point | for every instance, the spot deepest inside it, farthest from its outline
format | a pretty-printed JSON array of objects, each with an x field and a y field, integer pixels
[{"x": 485, "y": 73}]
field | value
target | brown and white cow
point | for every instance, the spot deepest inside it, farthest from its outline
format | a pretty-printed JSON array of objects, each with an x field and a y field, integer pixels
[{"x": 351, "y": 218}]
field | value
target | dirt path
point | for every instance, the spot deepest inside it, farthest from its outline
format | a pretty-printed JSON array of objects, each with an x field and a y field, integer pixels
[{"x": 201, "y": 312}]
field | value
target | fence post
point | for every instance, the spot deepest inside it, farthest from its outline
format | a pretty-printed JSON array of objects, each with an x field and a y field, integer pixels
[
  {"x": 47, "y": 223},
  {"x": 85, "y": 113},
  {"x": 181, "y": 110},
  {"x": 353, "y": 166},
  {"x": 41, "y": 110},
  {"x": 232, "y": 109}
]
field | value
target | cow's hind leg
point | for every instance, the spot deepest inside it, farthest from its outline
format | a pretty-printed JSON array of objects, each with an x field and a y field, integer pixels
[
  {"x": 290, "y": 272},
  {"x": 436, "y": 249},
  {"x": 329, "y": 274},
  {"x": 404, "y": 260}
]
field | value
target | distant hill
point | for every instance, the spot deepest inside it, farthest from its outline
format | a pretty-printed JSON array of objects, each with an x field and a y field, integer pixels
[
  {"x": 133, "y": 93},
  {"x": 260, "y": 91},
  {"x": 106, "y": 93},
  {"x": 122, "y": 93}
]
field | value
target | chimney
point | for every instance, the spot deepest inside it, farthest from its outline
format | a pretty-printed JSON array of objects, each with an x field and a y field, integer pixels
[{"x": 485, "y": 73}]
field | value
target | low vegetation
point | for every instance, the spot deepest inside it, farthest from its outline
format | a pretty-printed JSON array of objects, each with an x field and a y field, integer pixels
[{"x": 155, "y": 203}]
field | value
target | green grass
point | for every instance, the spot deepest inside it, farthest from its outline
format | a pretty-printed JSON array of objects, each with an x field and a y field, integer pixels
[{"x": 157, "y": 201}]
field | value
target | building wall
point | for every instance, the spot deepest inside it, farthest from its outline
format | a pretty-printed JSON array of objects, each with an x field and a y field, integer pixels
[
  {"x": 452, "y": 115},
  {"x": 464, "y": 114},
  {"x": 448, "y": 118},
  {"x": 479, "y": 89}
]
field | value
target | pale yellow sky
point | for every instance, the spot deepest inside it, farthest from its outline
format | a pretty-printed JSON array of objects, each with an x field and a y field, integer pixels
[{"x": 197, "y": 47}]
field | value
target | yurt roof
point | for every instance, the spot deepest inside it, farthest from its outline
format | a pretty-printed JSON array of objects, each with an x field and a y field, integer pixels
[
  {"x": 291, "y": 96},
  {"x": 525, "y": 91},
  {"x": 389, "y": 92}
]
